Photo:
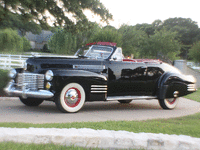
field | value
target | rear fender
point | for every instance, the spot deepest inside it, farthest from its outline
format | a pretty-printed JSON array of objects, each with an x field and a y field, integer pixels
[{"x": 171, "y": 82}]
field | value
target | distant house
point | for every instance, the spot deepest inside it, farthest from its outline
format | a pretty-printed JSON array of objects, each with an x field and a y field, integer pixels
[{"x": 38, "y": 40}]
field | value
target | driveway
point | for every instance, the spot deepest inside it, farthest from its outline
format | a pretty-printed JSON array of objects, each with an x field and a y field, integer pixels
[{"x": 12, "y": 110}]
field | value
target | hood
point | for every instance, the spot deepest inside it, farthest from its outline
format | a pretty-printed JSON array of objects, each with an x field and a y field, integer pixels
[{"x": 38, "y": 64}]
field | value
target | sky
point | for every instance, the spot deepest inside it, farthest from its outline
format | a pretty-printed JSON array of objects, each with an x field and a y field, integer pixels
[{"x": 134, "y": 12}]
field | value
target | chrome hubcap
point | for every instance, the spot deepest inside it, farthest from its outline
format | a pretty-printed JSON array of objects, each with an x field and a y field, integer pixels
[
  {"x": 71, "y": 95},
  {"x": 171, "y": 100}
]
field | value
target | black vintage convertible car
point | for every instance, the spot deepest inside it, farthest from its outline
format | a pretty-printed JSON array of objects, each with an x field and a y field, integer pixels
[{"x": 97, "y": 72}]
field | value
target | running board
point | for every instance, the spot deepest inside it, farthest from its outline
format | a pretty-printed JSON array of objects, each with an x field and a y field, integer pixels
[{"x": 115, "y": 98}]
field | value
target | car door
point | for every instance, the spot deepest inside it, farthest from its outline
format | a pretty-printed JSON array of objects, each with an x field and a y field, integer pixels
[
  {"x": 126, "y": 78},
  {"x": 153, "y": 75}
]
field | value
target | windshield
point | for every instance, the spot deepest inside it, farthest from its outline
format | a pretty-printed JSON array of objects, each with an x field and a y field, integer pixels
[{"x": 95, "y": 52}]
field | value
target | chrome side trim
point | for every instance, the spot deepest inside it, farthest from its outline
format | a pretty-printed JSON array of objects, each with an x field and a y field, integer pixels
[
  {"x": 190, "y": 90},
  {"x": 98, "y": 85},
  {"x": 98, "y": 91},
  {"x": 98, "y": 88},
  {"x": 89, "y": 67},
  {"x": 25, "y": 93},
  {"x": 191, "y": 87},
  {"x": 115, "y": 98}
]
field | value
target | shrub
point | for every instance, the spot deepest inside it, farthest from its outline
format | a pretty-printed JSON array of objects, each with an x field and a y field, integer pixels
[
  {"x": 194, "y": 52},
  {"x": 62, "y": 42},
  {"x": 10, "y": 41},
  {"x": 4, "y": 80},
  {"x": 45, "y": 48},
  {"x": 26, "y": 44}
]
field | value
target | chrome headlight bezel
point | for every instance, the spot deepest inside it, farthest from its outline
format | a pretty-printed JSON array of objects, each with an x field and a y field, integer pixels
[
  {"x": 12, "y": 73},
  {"x": 49, "y": 75}
]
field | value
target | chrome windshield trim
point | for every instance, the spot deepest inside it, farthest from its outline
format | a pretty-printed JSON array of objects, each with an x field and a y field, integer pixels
[{"x": 99, "y": 46}]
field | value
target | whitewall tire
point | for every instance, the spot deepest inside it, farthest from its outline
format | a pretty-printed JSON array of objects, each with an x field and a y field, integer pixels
[
  {"x": 168, "y": 103},
  {"x": 71, "y": 98}
]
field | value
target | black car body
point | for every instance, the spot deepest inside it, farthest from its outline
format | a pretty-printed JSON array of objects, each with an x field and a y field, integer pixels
[{"x": 97, "y": 72}]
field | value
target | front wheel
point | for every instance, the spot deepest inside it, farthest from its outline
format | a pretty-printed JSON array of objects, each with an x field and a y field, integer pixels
[
  {"x": 31, "y": 101},
  {"x": 168, "y": 103},
  {"x": 71, "y": 98}
]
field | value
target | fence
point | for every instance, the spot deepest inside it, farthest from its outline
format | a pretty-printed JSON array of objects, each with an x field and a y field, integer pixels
[
  {"x": 12, "y": 61},
  {"x": 17, "y": 61}
]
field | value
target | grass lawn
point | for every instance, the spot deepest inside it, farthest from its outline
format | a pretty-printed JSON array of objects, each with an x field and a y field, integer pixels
[
  {"x": 194, "y": 96},
  {"x": 21, "y": 146}
]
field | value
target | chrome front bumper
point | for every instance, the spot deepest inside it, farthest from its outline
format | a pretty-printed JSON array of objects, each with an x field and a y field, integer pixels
[{"x": 25, "y": 93}]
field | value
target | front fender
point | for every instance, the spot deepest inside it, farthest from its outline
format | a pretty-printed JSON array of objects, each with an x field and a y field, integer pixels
[{"x": 85, "y": 78}]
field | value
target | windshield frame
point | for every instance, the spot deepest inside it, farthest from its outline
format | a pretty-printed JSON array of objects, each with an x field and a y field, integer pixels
[{"x": 85, "y": 55}]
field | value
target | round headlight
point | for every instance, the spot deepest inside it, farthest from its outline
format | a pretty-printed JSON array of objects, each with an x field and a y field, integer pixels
[
  {"x": 12, "y": 73},
  {"x": 49, "y": 75}
]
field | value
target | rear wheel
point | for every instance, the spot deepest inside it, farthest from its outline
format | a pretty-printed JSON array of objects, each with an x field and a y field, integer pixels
[
  {"x": 168, "y": 103},
  {"x": 31, "y": 101},
  {"x": 124, "y": 101},
  {"x": 71, "y": 98}
]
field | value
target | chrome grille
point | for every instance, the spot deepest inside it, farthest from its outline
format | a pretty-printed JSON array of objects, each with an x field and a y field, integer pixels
[{"x": 30, "y": 81}]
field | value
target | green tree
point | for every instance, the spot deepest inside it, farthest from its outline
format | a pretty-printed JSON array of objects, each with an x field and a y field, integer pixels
[
  {"x": 194, "y": 52},
  {"x": 10, "y": 41},
  {"x": 68, "y": 13},
  {"x": 187, "y": 30},
  {"x": 147, "y": 28},
  {"x": 109, "y": 27},
  {"x": 132, "y": 40},
  {"x": 15, "y": 22},
  {"x": 157, "y": 24},
  {"x": 62, "y": 43},
  {"x": 107, "y": 35},
  {"x": 162, "y": 44},
  {"x": 26, "y": 44},
  {"x": 84, "y": 35}
]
